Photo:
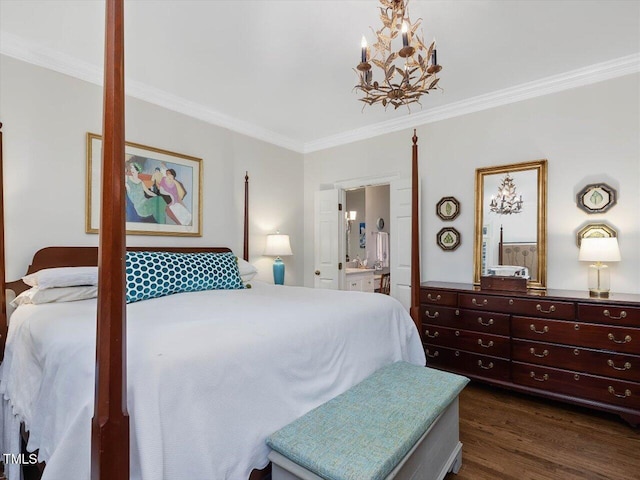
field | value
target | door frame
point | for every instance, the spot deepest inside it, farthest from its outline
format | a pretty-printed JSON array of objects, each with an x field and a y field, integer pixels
[{"x": 354, "y": 184}]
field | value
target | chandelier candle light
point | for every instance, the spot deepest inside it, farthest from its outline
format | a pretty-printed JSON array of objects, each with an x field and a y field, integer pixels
[
  {"x": 507, "y": 201},
  {"x": 407, "y": 73}
]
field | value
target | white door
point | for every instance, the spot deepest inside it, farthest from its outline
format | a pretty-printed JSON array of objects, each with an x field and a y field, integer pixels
[
  {"x": 400, "y": 257},
  {"x": 329, "y": 229}
]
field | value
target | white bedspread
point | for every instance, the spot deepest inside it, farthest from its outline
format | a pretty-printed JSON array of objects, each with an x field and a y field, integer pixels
[{"x": 210, "y": 374}]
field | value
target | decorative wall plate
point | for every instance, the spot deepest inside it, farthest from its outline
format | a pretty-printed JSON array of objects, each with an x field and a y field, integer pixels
[
  {"x": 596, "y": 198},
  {"x": 595, "y": 230},
  {"x": 448, "y": 238},
  {"x": 448, "y": 208}
]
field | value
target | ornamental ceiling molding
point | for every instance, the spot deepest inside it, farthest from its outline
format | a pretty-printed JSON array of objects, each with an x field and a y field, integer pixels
[{"x": 30, "y": 52}]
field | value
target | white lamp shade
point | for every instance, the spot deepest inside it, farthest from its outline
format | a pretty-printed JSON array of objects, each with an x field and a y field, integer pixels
[
  {"x": 599, "y": 249},
  {"x": 278, "y": 245},
  {"x": 352, "y": 215}
]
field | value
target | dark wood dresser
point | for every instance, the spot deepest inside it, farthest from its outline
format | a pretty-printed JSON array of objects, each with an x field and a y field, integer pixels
[{"x": 557, "y": 344}]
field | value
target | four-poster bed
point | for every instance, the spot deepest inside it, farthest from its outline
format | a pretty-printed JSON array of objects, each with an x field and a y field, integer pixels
[{"x": 110, "y": 428}]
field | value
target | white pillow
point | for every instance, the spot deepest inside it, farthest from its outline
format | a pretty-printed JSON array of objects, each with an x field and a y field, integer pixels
[
  {"x": 37, "y": 296},
  {"x": 247, "y": 271},
  {"x": 62, "y": 277}
]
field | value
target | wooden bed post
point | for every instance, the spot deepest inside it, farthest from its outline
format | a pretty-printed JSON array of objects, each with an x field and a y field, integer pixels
[
  {"x": 110, "y": 424},
  {"x": 3, "y": 301},
  {"x": 245, "y": 252},
  {"x": 415, "y": 237}
]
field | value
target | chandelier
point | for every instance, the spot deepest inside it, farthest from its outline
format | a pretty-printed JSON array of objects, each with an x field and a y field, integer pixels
[
  {"x": 506, "y": 202},
  {"x": 407, "y": 73}
]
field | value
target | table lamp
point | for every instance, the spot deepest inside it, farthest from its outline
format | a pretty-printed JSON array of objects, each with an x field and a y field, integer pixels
[
  {"x": 278, "y": 245},
  {"x": 599, "y": 250}
]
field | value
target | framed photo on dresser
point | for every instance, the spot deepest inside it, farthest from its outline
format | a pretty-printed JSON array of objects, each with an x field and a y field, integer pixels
[{"x": 163, "y": 190}]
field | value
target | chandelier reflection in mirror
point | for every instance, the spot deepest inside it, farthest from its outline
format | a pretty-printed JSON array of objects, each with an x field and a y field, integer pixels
[
  {"x": 507, "y": 201},
  {"x": 407, "y": 73}
]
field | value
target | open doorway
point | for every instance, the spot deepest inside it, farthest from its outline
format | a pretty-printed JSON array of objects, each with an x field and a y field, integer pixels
[{"x": 367, "y": 239}]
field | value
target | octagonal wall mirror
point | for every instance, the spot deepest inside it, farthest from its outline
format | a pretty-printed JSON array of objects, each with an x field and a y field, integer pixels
[{"x": 511, "y": 220}]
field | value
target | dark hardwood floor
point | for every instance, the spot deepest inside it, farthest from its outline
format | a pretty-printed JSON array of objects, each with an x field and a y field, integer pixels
[{"x": 511, "y": 436}]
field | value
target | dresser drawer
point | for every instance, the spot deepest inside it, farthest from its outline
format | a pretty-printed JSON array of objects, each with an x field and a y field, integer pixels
[
  {"x": 438, "y": 297},
  {"x": 609, "y": 314},
  {"x": 467, "y": 363},
  {"x": 487, "y": 322},
  {"x": 438, "y": 315},
  {"x": 605, "y": 337},
  {"x": 625, "y": 367},
  {"x": 494, "y": 345},
  {"x": 544, "y": 308},
  {"x": 601, "y": 389},
  {"x": 492, "y": 303}
]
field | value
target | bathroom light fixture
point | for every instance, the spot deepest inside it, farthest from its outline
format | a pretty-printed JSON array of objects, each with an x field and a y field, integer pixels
[{"x": 406, "y": 73}]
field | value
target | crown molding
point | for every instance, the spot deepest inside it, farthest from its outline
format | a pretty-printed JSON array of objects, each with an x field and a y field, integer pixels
[
  {"x": 20, "y": 49},
  {"x": 17, "y": 47},
  {"x": 545, "y": 86}
]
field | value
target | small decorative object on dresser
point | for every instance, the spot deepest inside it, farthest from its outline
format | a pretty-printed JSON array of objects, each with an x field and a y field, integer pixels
[
  {"x": 595, "y": 230},
  {"x": 596, "y": 198},
  {"x": 561, "y": 345},
  {"x": 448, "y": 238},
  {"x": 448, "y": 208}
]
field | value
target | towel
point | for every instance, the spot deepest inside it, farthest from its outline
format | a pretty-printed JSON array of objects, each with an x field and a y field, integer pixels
[{"x": 382, "y": 249}]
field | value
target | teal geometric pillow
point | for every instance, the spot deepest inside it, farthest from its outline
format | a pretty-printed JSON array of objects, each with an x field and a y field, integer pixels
[{"x": 156, "y": 274}]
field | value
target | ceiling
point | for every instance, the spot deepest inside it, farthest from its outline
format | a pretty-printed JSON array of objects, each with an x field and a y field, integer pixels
[{"x": 283, "y": 70}]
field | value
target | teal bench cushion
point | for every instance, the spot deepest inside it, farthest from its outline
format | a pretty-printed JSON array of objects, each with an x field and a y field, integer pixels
[{"x": 365, "y": 432}]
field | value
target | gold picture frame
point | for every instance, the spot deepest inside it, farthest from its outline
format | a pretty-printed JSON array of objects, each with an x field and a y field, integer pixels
[{"x": 163, "y": 190}]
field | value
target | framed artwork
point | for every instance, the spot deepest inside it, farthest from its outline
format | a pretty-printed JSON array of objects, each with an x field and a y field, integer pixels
[
  {"x": 448, "y": 238},
  {"x": 163, "y": 190},
  {"x": 595, "y": 230},
  {"x": 596, "y": 198},
  {"x": 448, "y": 208},
  {"x": 363, "y": 236}
]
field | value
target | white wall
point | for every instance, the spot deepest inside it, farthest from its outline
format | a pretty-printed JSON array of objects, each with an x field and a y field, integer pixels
[
  {"x": 589, "y": 134},
  {"x": 46, "y": 116}
]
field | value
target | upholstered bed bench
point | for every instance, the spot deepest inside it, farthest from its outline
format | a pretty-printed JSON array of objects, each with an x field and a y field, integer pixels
[{"x": 401, "y": 423}]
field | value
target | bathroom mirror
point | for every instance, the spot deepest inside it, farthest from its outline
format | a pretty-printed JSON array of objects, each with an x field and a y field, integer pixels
[{"x": 511, "y": 220}]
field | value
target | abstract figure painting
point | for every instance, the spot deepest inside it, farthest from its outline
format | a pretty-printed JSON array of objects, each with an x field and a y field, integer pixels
[{"x": 163, "y": 190}]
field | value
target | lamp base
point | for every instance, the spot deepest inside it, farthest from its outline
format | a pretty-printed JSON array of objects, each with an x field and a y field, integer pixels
[
  {"x": 278, "y": 271},
  {"x": 599, "y": 280}
]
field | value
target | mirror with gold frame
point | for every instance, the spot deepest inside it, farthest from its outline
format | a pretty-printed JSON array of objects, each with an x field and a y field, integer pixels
[{"x": 511, "y": 220}]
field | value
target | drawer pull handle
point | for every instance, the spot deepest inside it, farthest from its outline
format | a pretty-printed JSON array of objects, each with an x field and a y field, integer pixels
[
  {"x": 487, "y": 367},
  {"x": 607, "y": 313},
  {"x": 435, "y": 354},
  {"x": 627, "y": 392},
  {"x": 490, "y": 322},
  {"x": 544, "y": 330},
  {"x": 511, "y": 301},
  {"x": 552, "y": 309},
  {"x": 488, "y": 345},
  {"x": 627, "y": 339},
  {"x": 457, "y": 353},
  {"x": 576, "y": 352},
  {"x": 437, "y": 297},
  {"x": 544, "y": 353},
  {"x": 626, "y": 366},
  {"x": 457, "y": 334},
  {"x": 576, "y": 377},
  {"x": 435, "y": 315},
  {"x": 475, "y": 302},
  {"x": 435, "y": 334},
  {"x": 544, "y": 378}
]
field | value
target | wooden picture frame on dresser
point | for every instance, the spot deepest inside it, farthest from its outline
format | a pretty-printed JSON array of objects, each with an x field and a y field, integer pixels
[{"x": 561, "y": 345}]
